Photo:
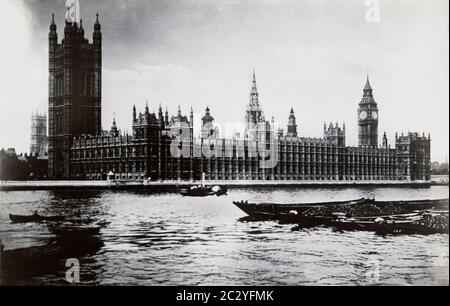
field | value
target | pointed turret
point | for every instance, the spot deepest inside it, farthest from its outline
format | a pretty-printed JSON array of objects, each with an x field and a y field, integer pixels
[
  {"x": 166, "y": 116},
  {"x": 81, "y": 27},
  {"x": 292, "y": 115},
  {"x": 292, "y": 125},
  {"x": 368, "y": 89},
  {"x": 97, "y": 26},
  {"x": 160, "y": 114},
  {"x": 114, "y": 131},
  {"x": 385, "y": 141},
  {"x": 53, "y": 35},
  {"x": 97, "y": 36},
  {"x": 207, "y": 124},
  {"x": 367, "y": 84},
  {"x": 53, "y": 24},
  {"x": 207, "y": 118}
]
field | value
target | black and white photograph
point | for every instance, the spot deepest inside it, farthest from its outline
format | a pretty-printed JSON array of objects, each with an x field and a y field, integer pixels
[{"x": 222, "y": 143}]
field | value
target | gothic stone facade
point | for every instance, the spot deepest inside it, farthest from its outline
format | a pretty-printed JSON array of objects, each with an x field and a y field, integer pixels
[
  {"x": 163, "y": 148},
  {"x": 75, "y": 80},
  {"x": 150, "y": 153}
]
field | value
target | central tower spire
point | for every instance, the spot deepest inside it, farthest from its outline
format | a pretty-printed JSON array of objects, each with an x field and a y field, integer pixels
[
  {"x": 254, "y": 117},
  {"x": 254, "y": 96}
]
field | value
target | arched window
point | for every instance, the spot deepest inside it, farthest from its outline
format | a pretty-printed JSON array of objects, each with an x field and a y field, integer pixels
[{"x": 57, "y": 127}]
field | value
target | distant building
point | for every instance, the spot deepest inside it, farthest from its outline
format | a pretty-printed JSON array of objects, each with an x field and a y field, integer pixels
[
  {"x": 39, "y": 140},
  {"x": 440, "y": 168},
  {"x": 10, "y": 151},
  {"x": 21, "y": 167}
]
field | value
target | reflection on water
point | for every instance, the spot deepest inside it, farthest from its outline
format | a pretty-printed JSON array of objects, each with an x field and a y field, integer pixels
[{"x": 152, "y": 239}]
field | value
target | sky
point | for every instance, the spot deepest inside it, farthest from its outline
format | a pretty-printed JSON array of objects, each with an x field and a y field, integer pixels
[{"x": 312, "y": 55}]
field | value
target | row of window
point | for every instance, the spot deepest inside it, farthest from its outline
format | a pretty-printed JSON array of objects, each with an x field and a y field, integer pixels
[{"x": 114, "y": 152}]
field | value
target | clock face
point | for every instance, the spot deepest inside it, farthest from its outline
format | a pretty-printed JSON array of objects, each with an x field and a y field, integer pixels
[
  {"x": 363, "y": 115},
  {"x": 374, "y": 115}
]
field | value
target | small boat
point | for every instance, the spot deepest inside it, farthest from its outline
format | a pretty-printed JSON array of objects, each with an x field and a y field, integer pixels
[
  {"x": 395, "y": 225},
  {"x": 416, "y": 204},
  {"x": 220, "y": 190},
  {"x": 35, "y": 218},
  {"x": 203, "y": 191},
  {"x": 75, "y": 231}
]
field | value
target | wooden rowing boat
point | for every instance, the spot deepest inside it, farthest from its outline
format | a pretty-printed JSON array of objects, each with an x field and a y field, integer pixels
[
  {"x": 75, "y": 231},
  {"x": 34, "y": 218},
  {"x": 416, "y": 204},
  {"x": 203, "y": 191},
  {"x": 391, "y": 225},
  {"x": 289, "y": 211}
]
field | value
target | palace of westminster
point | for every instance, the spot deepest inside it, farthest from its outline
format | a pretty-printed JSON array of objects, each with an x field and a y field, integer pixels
[{"x": 164, "y": 147}]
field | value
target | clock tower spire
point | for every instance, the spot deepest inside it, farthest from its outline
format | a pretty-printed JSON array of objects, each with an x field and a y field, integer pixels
[{"x": 368, "y": 118}]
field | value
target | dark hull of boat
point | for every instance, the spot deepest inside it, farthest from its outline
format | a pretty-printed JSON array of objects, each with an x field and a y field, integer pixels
[
  {"x": 388, "y": 228},
  {"x": 293, "y": 212},
  {"x": 191, "y": 193},
  {"x": 440, "y": 204},
  {"x": 34, "y": 261},
  {"x": 362, "y": 213},
  {"x": 35, "y": 218},
  {"x": 29, "y": 261},
  {"x": 70, "y": 231},
  {"x": 288, "y": 211},
  {"x": 24, "y": 219},
  {"x": 53, "y": 219}
]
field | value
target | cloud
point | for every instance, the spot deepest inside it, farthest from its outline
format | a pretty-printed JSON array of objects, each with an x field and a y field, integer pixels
[{"x": 168, "y": 84}]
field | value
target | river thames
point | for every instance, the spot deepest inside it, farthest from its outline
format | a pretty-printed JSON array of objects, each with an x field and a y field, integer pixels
[{"x": 167, "y": 239}]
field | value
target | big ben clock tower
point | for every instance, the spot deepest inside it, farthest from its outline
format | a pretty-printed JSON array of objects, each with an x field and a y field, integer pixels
[{"x": 368, "y": 119}]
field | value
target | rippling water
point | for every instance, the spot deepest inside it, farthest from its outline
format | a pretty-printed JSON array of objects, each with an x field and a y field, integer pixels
[{"x": 166, "y": 239}]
